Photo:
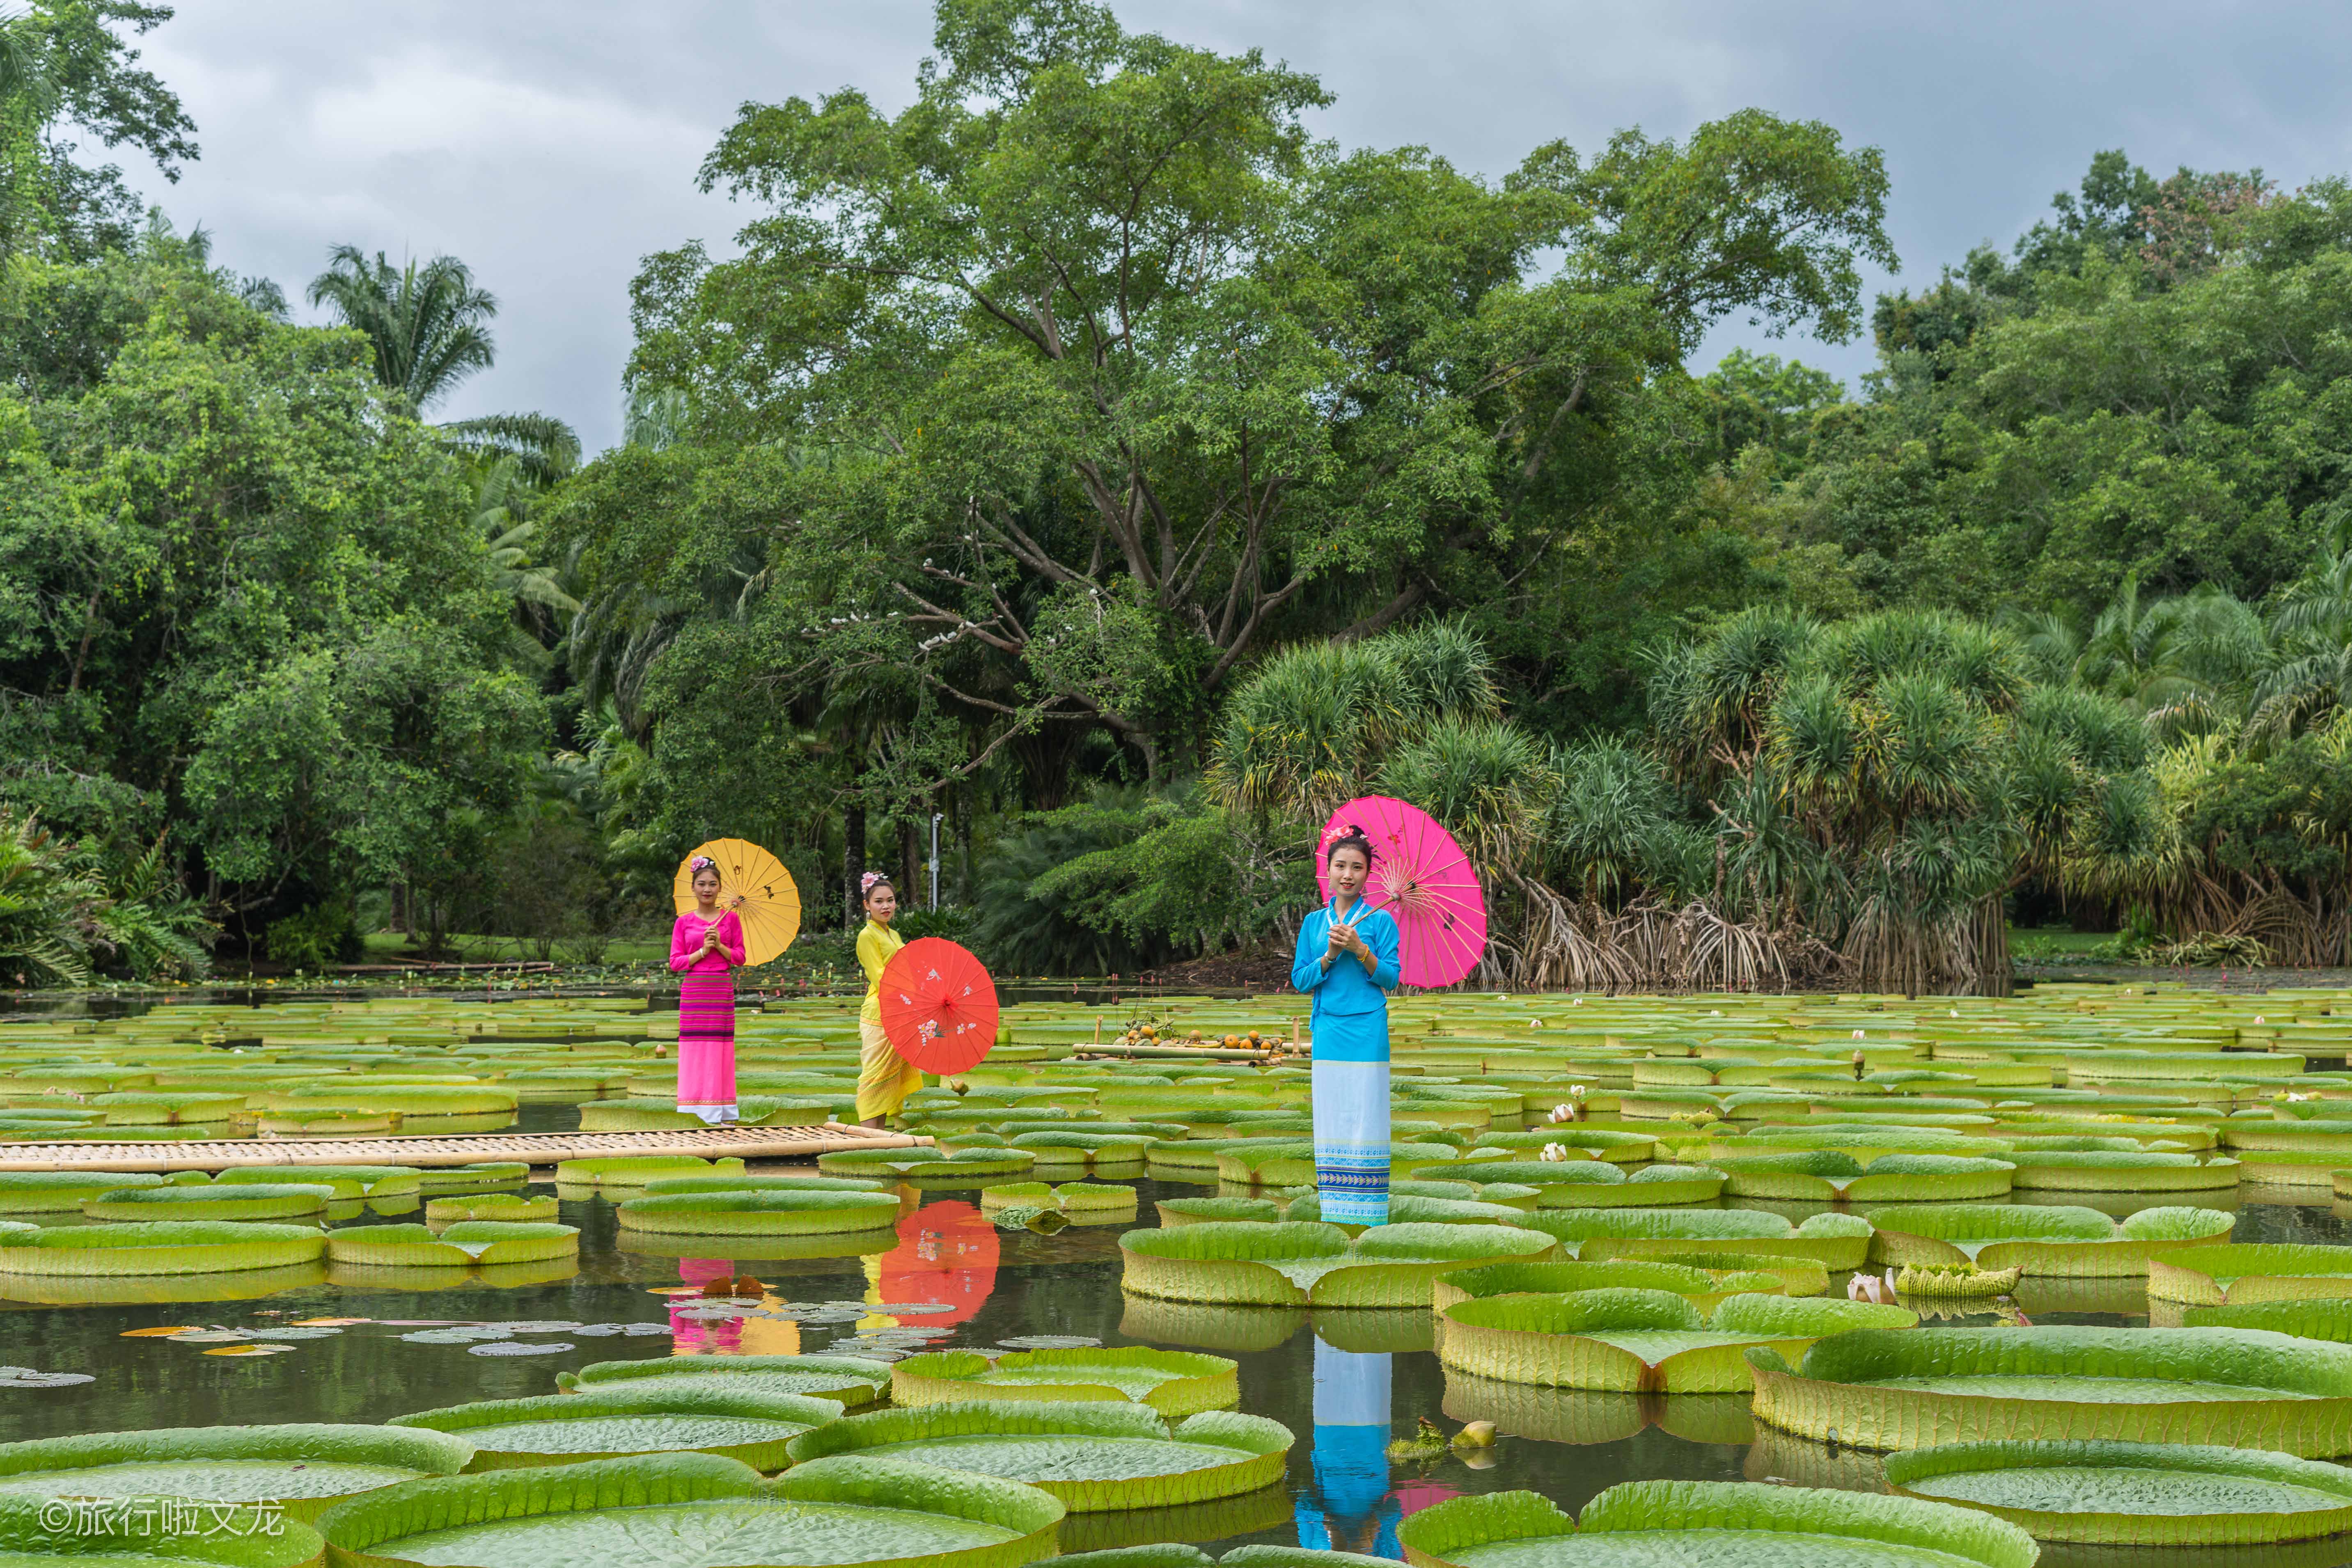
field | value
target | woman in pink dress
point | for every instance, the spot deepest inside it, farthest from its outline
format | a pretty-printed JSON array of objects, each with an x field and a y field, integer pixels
[{"x": 704, "y": 947}]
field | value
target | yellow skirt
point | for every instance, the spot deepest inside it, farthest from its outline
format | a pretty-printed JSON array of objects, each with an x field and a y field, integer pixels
[{"x": 884, "y": 1079}]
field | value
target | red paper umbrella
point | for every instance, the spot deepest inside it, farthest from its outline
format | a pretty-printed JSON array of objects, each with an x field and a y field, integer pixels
[{"x": 939, "y": 1005}]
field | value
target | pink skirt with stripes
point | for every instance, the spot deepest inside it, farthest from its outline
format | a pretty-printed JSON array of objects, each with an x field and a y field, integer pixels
[{"x": 706, "y": 1046}]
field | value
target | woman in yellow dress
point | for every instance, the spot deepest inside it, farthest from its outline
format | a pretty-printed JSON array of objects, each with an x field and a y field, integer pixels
[{"x": 884, "y": 1079}]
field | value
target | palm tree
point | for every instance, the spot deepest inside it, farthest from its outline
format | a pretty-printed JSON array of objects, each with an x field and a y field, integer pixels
[
  {"x": 2182, "y": 663},
  {"x": 502, "y": 499},
  {"x": 2311, "y": 628},
  {"x": 429, "y": 326}
]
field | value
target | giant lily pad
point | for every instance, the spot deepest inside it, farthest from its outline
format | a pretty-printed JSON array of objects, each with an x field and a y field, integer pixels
[
  {"x": 513, "y": 1208},
  {"x": 62, "y": 1192},
  {"x": 1597, "y": 1184},
  {"x": 140, "y": 1534},
  {"x": 1827, "y": 1175},
  {"x": 1409, "y": 1209},
  {"x": 1710, "y": 1524},
  {"x": 455, "y": 1245},
  {"x": 2095, "y": 1171},
  {"x": 972, "y": 1167},
  {"x": 474, "y": 1177},
  {"x": 610, "y": 1172},
  {"x": 723, "y": 1182},
  {"x": 699, "y": 1510},
  {"x": 774, "y": 1211},
  {"x": 707, "y": 1417},
  {"x": 1835, "y": 1241},
  {"x": 2134, "y": 1494},
  {"x": 1864, "y": 1141},
  {"x": 1616, "y": 1144},
  {"x": 348, "y": 1181},
  {"x": 305, "y": 1467},
  {"x": 413, "y": 1101},
  {"x": 849, "y": 1381},
  {"x": 251, "y": 1200},
  {"x": 2305, "y": 1320},
  {"x": 1087, "y": 1202},
  {"x": 1317, "y": 1264},
  {"x": 158, "y": 1248},
  {"x": 1092, "y": 1457},
  {"x": 1797, "y": 1276},
  {"x": 2077, "y": 1242},
  {"x": 1173, "y": 1383},
  {"x": 2244, "y": 1388},
  {"x": 1175, "y": 1211},
  {"x": 1084, "y": 1148},
  {"x": 1704, "y": 1289},
  {"x": 1637, "y": 1341},
  {"x": 133, "y": 1108},
  {"x": 2229, "y": 1274}
]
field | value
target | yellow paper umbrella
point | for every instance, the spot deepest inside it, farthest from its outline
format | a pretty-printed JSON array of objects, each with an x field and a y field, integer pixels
[{"x": 755, "y": 885}]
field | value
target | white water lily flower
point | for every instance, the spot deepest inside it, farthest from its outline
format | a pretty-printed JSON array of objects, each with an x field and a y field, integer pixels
[{"x": 1555, "y": 1152}]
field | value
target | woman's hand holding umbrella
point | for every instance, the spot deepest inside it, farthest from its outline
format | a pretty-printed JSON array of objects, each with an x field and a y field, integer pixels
[{"x": 1345, "y": 937}]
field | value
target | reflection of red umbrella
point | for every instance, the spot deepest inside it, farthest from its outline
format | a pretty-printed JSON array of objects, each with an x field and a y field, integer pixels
[
  {"x": 1423, "y": 879},
  {"x": 946, "y": 1254},
  {"x": 939, "y": 1005}
]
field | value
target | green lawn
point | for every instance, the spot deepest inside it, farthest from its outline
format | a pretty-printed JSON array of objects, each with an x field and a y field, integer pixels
[{"x": 2054, "y": 946}]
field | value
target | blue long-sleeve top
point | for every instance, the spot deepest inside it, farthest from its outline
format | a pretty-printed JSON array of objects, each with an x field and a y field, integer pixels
[{"x": 1345, "y": 990}]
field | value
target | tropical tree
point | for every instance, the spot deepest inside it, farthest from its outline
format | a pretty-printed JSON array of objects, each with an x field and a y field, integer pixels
[
  {"x": 504, "y": 494},
  {"x": 2311, "y": 626},
  {"x": 1886, "y": 782},
  {"x": 427, "y": 327},
  {"x": 278, "y": 636},
  {"x": 65, "y": 914},
  {"x": 1124, "y": 381},
  {"x": 428, "y": 324}
]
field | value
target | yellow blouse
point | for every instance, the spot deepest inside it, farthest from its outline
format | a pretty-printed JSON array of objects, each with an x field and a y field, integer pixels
[{"x": 875, "y": 944}]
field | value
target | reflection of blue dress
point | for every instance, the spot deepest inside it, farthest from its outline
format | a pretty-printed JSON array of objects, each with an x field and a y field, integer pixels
[
  {"x": 1348, "y": 1508},
  {"x": 1350, "y": 1092}
]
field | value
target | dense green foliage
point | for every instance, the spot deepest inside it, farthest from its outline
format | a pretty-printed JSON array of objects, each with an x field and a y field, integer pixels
[{"x": 1086, "y": 462}]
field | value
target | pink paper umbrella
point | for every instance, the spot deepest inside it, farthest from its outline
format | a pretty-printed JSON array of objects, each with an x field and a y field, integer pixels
[{"x": 1423, "y": 880}]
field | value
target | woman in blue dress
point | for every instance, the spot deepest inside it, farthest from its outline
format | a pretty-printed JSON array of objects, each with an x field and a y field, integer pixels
[{"x": 1347, "y": 961}]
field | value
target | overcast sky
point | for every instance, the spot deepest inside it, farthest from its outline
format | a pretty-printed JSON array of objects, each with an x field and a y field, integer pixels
[{"x": 552, "y": 145}]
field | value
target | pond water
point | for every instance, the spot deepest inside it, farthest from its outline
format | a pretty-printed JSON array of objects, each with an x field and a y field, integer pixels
[{"x": 1346, "y": 1383}]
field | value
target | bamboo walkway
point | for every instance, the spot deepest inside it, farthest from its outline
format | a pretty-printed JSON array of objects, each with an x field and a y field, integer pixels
[{"x": 431, "y": 1150}]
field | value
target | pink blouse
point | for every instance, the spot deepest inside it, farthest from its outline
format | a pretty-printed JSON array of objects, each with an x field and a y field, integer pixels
[{"x": 685, "y": 952}]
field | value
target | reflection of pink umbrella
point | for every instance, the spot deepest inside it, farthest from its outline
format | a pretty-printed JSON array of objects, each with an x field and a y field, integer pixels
[{"x": 1423, "y": 879}]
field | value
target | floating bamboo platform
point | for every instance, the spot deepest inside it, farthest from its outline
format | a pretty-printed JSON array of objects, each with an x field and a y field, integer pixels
[{"x": 430, "y": 1150}]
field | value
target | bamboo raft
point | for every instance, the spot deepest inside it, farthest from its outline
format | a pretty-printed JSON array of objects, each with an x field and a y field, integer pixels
[{"x": 434, "y": 1150}]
